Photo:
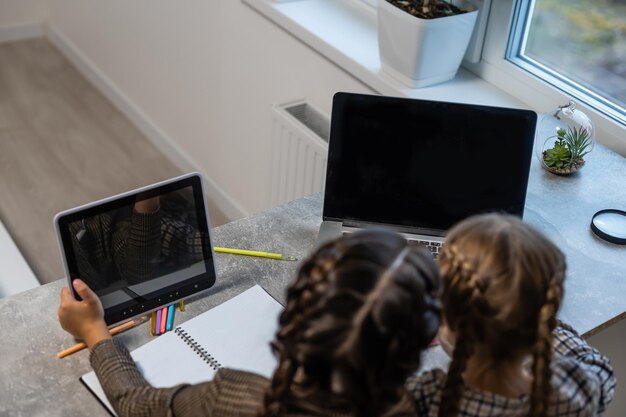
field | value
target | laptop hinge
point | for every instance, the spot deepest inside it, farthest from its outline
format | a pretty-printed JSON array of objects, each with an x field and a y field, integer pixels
[{"x": 395, "y": 228}]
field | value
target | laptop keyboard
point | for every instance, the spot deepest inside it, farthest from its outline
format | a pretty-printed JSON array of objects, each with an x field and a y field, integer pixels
[{"x": 433, "y": 247}]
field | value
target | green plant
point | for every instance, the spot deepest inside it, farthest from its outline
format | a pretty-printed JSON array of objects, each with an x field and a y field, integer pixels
[
  {"x": 557, "y": 157},
  {"x": 569, "y": 148},
  {"x": 578, "y": 141}
]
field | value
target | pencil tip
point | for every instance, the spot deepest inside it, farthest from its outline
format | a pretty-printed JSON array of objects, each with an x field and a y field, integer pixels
[{"x": 290, "y": 258}]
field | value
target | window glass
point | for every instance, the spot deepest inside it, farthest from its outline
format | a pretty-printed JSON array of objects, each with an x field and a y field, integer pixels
[{"x": 580, "y": 42}]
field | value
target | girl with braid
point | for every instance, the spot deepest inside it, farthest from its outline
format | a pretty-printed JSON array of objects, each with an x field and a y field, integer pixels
[
  {"x": 510, "y": 356},
  {"x": 361, "y": 310}
]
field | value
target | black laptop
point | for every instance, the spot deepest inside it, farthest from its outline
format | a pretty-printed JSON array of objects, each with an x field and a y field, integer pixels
[{"x": 418, "y": 167}]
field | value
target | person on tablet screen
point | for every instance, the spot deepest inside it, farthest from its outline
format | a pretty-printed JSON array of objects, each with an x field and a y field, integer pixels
[
  {"x": 137, "y": 243},
  {"x": 358, "y": 315}
]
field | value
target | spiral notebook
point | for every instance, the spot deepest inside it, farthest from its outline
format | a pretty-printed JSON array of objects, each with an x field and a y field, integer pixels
[{"x": 236, "y": 334}]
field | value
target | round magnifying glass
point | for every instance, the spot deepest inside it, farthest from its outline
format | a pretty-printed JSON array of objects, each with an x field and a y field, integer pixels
[{"x": 610, "y": 225}]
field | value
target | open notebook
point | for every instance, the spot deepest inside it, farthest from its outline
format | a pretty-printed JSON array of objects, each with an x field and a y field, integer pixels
[{"x": 235, "y": 334}]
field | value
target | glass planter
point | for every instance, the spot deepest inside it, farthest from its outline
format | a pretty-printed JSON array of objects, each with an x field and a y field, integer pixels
[{"x": 565, "y": 138}]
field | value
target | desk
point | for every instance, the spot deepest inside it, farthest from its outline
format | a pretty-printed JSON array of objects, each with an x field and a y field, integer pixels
[{"x": 34, "y": 383}]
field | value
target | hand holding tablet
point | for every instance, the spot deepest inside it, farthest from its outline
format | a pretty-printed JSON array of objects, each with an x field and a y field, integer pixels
[{"x": 140, "y": 250}]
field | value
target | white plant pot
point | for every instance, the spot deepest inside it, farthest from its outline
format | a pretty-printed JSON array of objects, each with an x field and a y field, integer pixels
[{"x": 422, "y": 52}]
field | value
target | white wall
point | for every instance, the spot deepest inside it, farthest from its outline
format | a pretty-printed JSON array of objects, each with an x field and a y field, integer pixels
[
  {"x": 21, "y": 18},
  {"x": 14, "y": 12},
  {"x": 205, "y": 73}
]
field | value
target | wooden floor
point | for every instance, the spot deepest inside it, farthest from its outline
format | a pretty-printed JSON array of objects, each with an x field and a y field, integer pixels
[{"x": 62, "y": 144}]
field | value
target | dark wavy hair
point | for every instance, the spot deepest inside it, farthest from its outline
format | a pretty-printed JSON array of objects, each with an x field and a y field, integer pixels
[{"x": 358, "y": 315}]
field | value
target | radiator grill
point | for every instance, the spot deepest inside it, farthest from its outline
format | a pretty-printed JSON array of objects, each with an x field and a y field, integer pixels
[{"x": 299, "y": 151}]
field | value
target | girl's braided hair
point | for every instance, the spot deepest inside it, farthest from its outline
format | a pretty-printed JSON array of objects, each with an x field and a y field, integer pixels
[
  {"x": 359, "y": 314},
  {"x": 503, "y": 284}
]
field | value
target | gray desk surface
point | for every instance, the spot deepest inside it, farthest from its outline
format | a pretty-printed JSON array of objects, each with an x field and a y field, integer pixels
[{"x": 34, "y": 383}]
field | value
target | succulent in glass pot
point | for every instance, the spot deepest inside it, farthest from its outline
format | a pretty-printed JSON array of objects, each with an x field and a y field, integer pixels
[{"x": 564, "y": 151}]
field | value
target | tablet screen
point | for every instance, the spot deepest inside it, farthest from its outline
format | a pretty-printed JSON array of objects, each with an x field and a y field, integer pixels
[{"x": 141, "y": 250}]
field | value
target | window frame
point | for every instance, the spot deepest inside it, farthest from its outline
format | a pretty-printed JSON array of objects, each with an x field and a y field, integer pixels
[
  {"x": 511, "y": 77},
  {"x": 489, "y": 78}
]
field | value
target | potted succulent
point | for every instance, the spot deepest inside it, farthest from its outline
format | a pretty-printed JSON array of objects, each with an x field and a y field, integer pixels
[
  {"x": 567, "y": 154},
  {"x": 422, "y": 42},
  {"x": 567, "y": 137}
]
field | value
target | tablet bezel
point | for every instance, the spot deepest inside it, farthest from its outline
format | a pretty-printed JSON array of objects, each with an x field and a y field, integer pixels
[{"x": 172, "y": 294}]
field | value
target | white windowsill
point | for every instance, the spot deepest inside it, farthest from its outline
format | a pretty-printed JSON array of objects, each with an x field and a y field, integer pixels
[{"x": 344, "y": 31}]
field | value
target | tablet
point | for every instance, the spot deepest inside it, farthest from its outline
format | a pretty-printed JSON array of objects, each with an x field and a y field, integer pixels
[{"x": 140, "y": 250}]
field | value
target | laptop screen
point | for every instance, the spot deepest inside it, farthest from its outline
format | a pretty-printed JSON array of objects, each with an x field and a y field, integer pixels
[{"x": 425, "y": 165}]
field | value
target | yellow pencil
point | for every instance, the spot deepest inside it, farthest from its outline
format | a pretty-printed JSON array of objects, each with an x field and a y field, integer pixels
[
  {"x": 115, "y": 330},
  {"x": 256, "y": 253}
]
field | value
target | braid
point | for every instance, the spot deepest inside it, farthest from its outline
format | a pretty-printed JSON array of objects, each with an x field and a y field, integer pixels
[
  {"x": 542, "y": 352},
  {"x": 358, "y": 315},
  {"x": 343, "y": 379},
  {"x": 279, "y": 386},
  {"x": 502, "y": 288},
  {"x": 370, "y": 301},
  {"x": 398, "y": 318},
  {"x": 300, "y": 297},
  {"x": 453, "y": 389},
  {"x": 460, "y": 291}
]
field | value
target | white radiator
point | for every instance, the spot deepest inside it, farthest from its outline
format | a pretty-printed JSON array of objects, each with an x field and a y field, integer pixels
[{"x": 299, "y": 151}]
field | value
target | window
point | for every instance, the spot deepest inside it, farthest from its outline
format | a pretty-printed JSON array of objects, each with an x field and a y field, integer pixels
[
  {"x": 577, "y": 45},
  {"x": 534, "y": 53},
  {"x": 546, "y": 52}
]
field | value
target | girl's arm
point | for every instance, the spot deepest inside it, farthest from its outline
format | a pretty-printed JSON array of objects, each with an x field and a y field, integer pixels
[
  {"x": 131, "y": 395},
  {"x": 129, "y": 392}
]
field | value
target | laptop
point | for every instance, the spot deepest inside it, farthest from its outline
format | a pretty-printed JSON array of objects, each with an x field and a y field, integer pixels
[{"x": 418, "y": 167}]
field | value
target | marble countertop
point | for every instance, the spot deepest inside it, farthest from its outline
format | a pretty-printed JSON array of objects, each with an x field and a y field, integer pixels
[
  {"x": 33, "y": 382},
  {"x": 562, "y": 207}
]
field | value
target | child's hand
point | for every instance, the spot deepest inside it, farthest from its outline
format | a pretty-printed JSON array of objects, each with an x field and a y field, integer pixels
[{"x": 83, "y": 319}]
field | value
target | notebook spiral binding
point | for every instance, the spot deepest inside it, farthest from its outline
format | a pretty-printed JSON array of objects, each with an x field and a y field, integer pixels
[{"x": 200, "y": 351}]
